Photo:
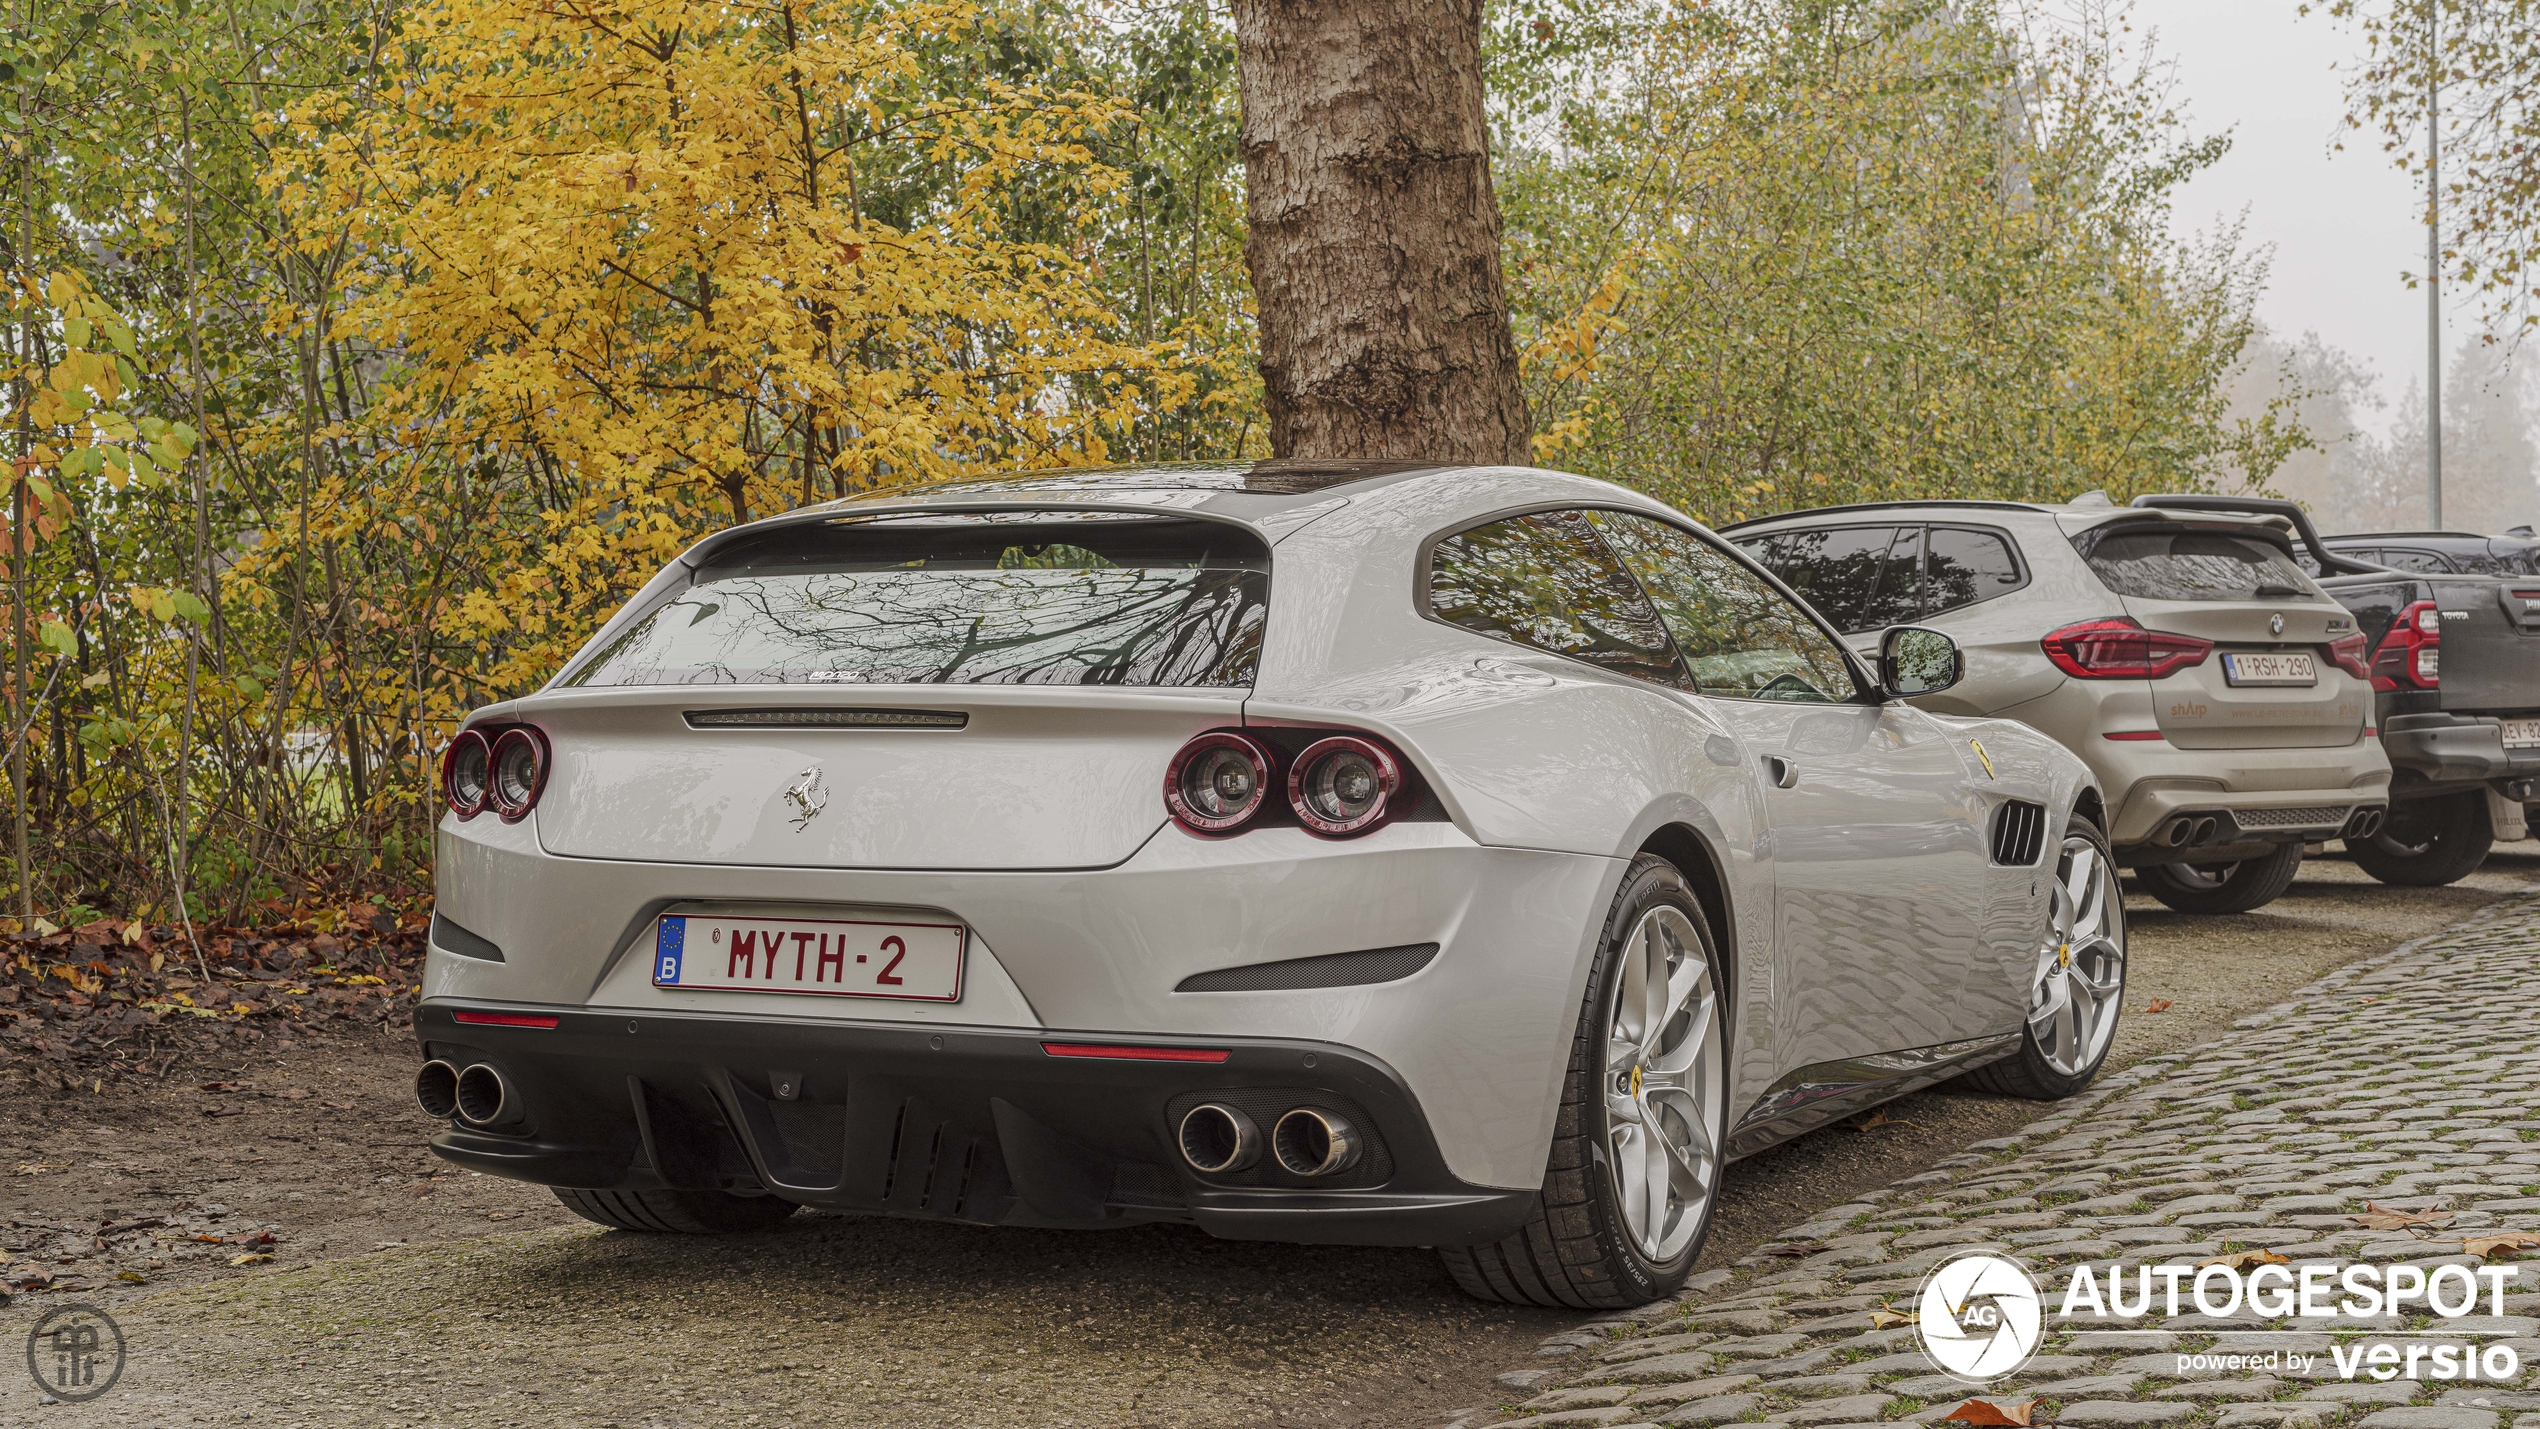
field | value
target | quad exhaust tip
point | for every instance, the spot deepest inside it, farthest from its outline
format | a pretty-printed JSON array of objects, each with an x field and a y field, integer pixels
[
  {"x": 1315, "y": 1143},
  {"x": 485, "y": 1098},
  {"x": 437, "y": 1089},
  {"x": 2190, "y": 829},
  {"x": 1217, "y": 1139}
]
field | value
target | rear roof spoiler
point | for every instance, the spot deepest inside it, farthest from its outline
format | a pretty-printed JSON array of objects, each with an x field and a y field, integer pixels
[{"x": 2330, "y": 562}]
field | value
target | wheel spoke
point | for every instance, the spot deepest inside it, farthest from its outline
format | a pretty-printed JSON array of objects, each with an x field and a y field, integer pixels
[
  {"x": 1631, "y": 1171},
  {"x": 2052, "y": 996},
  {"x": 1656, "y": 1176}
]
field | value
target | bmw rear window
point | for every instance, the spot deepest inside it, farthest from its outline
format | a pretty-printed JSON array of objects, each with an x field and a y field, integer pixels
[
  {"x": 2172, "y": 563},
  {"x": 1001, "y": 599}
]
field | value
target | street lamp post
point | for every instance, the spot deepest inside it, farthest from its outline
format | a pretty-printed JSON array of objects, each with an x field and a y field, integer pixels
[{"x": 2433, "y": 268}]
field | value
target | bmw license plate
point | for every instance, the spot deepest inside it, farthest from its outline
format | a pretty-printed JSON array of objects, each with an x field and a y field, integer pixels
[
  {"x": 919, "y": 962},
  {"x": 2522, "y": 733},
  {"x": 2270, "y": 670}
]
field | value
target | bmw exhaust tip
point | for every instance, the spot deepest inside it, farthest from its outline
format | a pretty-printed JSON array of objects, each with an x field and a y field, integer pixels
[
  {"x": 437, "y": 1089},
  {"x": 2364, "y": 825},
  {"x": 1217, "y": 1139},
  {"x": 1315, "y": 1143},
  {"x": 485, "y": 1099},
  {"x": 2179, "y": 832},
  {"x": 2205, "y": 829}
]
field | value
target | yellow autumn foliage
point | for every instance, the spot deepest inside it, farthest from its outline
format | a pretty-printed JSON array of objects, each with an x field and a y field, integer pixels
[{"x": 650, "y": 266}]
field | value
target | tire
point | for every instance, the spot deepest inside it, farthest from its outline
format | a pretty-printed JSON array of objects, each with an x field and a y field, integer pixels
[
  {"x": 2077, "y": 992},
  {"x": 2426, "y": 843},
  {"x": 679, "y": 1212},
  {"x": 1584, "y": 1247},
  {"x": 2223, "y": 887}
]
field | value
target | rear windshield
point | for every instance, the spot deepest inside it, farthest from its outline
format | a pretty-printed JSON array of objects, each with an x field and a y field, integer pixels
[
  {"x": 1032, "y": 601},
  {"x": 2169, "y": 564}
]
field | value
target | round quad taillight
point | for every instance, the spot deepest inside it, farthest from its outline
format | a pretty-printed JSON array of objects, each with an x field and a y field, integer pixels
[
  {"x": 466, "y": 770},
  {"x": 519, "y": 772},
  {"x": 1217, "y": 783},
  {"x": 1340, "y": 786}
]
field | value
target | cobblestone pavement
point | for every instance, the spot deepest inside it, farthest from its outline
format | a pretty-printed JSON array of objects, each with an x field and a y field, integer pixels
[{"x": 2411, "y": 1079}]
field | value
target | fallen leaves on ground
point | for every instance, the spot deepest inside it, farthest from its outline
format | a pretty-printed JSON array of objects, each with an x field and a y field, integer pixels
[
  {"x": 1884, "y": 1319},
  {"x": 82, "y": 1007},
  {"x": 1985, "y": 1411},
  {"x": 2245, "y": 1260},
  {"x": 2158, "y": 1004},
  {"x": 252, "y": 1258},
  {"x": 1872, "y": 1119},
  {"x": 2501, "y": 1246},
  {"x": 2379, "y": 1217}
]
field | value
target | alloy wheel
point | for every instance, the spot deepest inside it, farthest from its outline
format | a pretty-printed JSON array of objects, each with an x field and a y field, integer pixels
[
  {"x": 2081, "y": 966},
  {"x": 1663, "y": 1090}
]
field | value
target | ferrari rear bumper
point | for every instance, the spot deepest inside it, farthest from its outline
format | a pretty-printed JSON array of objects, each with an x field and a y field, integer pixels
[{"x": 986, "y": 1126}]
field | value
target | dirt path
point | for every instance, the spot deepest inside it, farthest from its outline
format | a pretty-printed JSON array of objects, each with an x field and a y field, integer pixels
[{"x": 402, "y": 1293}]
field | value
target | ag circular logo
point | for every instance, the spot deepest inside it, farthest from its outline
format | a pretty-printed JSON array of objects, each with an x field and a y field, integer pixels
[
  {"x": 1980, "y": 1316},
  {"x": 75, "y": 1353}
]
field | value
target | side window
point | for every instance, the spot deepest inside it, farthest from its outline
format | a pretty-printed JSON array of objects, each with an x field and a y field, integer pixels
[
  {"x": 1739, "y": 636},
  {"x": 1547, "y": 580},
  {"x": 2406, "y": 558},
  {"x": 1963, "y": 567},
  {"x": 1859, "y": 577}
]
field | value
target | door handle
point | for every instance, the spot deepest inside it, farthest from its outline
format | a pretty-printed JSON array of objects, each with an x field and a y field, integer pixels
[{"x": 1784, "y": 774}]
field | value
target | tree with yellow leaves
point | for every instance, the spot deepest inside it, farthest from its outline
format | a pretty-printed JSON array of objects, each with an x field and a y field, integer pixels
[{"x": 651, "y": 265}]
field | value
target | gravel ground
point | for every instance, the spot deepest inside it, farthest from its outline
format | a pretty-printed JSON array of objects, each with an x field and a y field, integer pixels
[{"x": 402, "y": 1293}]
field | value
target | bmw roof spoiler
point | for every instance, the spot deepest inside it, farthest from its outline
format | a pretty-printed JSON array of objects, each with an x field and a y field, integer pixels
[{"x": 2330, "y": 562}]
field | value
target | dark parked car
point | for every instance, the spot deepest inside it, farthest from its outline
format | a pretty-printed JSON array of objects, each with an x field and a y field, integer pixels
[
  {"x": 2452, "y": 624},
  {"x": 2513, "y": 555}
]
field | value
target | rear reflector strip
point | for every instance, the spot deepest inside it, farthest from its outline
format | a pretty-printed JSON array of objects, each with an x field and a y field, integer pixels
[
  {"x": 504, "y": 1019},
  {"x": 1136, "y": 1054},
  {"x": 2132, "y": 734},
  {"x": 827, "y": 719}
]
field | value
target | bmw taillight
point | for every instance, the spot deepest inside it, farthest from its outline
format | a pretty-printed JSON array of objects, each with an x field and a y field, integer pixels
[
  {"x": 519, "y": 773},
  {"x": 2116, "y": 648},
  {"x": 1217, "y": 783},
  {"x": 2350, "y": 653},
  {"x": 2411, "y": 657},
  {"x": 1340, "y": 786},
  {"x": 466, "y": 767}
]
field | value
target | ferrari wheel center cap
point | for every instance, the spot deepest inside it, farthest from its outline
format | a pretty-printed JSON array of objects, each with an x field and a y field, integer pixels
[
  {"x": 1635, "y": 1081},
  {"x": 2064, "y": 956}
]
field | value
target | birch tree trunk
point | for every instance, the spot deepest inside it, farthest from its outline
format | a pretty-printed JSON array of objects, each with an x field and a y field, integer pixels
[{"x": 1374, "y": 242}]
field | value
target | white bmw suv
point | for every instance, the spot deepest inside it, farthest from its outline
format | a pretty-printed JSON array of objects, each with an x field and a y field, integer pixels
[{"x": 2220, "y": 696}]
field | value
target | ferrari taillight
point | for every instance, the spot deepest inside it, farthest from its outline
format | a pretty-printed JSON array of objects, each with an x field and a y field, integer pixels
[
  {"x": 2411, "y": 656},
  {"x": 1341, "y": 785},
  {"x": 465, "y": 765},
  {"x": 2117, "y": 648},
  {"x": 519, "y": 772},
  {"x": 1217, "y": 783}
]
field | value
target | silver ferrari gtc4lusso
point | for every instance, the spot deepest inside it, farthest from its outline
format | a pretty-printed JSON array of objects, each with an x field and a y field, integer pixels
[{"x": 1470, "y": 857}]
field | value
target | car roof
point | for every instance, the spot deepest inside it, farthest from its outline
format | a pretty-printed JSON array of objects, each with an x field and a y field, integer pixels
[
  {"x": 1285, "y": 480},
  {"x": 2419, "y": 536},
  {"x": 2069, "y": 517}
]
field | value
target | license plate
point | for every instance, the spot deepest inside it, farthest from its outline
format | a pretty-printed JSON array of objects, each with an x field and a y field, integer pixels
[
  {"x": 2270, "y": 670},
  {"x": 2522, "y": 733},
  {"x": 918, "y": 962}
]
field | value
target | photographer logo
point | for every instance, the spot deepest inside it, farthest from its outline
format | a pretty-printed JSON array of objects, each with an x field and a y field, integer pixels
[{"x": 1980, "y": 1317}]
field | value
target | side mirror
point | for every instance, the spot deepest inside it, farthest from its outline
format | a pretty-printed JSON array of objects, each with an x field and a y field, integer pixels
[{"x": 1914, "y": 660}]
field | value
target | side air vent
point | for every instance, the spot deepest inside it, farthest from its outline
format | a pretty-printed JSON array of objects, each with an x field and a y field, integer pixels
[
  {"x": 1329, "y": 970},
  {"x": 826, "y": 719},
  {"x": 2019, "y": 833},
  {"x": 451, "y": 938}
]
